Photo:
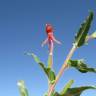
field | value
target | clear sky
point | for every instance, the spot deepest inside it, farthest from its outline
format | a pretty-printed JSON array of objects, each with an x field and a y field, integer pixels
[{"x": 22, "y": 29}]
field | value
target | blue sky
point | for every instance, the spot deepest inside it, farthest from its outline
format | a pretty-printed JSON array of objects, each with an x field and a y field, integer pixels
[{"x": 22, "y": 29}]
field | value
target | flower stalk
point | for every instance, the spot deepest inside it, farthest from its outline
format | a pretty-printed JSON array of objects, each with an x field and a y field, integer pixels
[{"x": 64, "y": 66}]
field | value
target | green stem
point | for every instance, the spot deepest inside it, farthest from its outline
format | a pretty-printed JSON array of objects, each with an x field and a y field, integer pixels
[{"x": 50, "y": 61}]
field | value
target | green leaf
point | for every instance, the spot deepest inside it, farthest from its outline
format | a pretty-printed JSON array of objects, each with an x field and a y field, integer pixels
[
  {"x": 23, "y": 90},
  {"x": 80, "y": 37},
  {"x": 67, "y": 86},
  {"x": 48, "y": 71},
  {"x": 90, "y": 37},
  {"x": 81, "y": 66},
  {"x": 51, "y": 76},
  {"x": 77, "y": 91},
  {"x": 93, "y": 35},
  {"x": 56, "y": 94}
]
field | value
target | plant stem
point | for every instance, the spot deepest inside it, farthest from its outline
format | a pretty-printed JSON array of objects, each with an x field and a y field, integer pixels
[
  {"x": 50, "y": 65},
  {"x": 64, "y": 66},
  {"x": 50, "y": 61}
]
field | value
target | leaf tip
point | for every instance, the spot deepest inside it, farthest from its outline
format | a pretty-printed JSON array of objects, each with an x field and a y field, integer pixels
[{"x": 20, "y": 83}]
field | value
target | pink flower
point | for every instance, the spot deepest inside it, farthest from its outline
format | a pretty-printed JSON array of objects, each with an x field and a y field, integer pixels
[{"x": 50, "y": 38}]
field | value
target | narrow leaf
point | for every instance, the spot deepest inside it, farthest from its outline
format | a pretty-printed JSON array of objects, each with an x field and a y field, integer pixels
[
  {"x": 67, "y": 86},
  {"x": 51, "y": 76},
  {"x": 23, "y": 90},
  {"x": 93, "y": 35},
  {"x": 90, "y": 37},
  {"x": 80, "y": 37},
  {"x": 81, "y": 66},
  {"x": 48, "y": 71},
  {"x": 77, "y": 91}
]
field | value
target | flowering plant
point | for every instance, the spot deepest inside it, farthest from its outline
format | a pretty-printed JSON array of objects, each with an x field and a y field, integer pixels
[{"x": 81, "y": 38}]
